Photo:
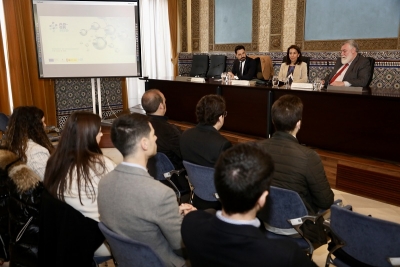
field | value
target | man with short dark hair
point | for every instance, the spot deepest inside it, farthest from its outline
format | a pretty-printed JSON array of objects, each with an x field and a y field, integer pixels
[
  {"x": 203, "y": 144},
  {"x": 351, "y": 69},
  {"x": 232, "y": 237},
  {"x": 297, "y": 167},
  {"x": 133, "y": 204},
  {"x": 168, "y": 135},
  {"x": 244, "y": 67}
]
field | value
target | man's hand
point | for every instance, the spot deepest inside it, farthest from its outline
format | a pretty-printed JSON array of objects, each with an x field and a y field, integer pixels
[
  {"x": 335, "y": 83},
  {"x": 185, "y": 208}
]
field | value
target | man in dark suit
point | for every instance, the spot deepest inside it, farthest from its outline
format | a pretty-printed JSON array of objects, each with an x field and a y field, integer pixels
[
  {"x": 168, "y": 135},
  {"x": 244, "y": 67},
  {"x": 134, "y": 204},
  {"x": 203, "y": 144},
  {"x": 351, "y": 69},
  {"x": 232, "y": 237}
]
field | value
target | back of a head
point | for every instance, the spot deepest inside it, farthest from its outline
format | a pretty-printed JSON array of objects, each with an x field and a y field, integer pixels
[
  {"x": 26, "y": 123},
  {"x": 286, "y": 112},
  {"x": 126, "y": 130},
  {"x": 209, "y": 109},
  {"x": 151, "y": 100},
  {"x": 242, "y": 174},
  {"x": 79, "y": 133}
]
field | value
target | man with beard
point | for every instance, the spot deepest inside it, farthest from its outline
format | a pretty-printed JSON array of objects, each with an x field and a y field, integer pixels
[
  {"x": 244, "y": 67},
  {"x": 351, "y": 69}
]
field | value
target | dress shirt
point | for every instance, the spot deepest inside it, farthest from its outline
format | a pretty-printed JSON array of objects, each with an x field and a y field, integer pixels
[
  {"x": 340, "y": 77},
  {"x": 256, "y": 222}
]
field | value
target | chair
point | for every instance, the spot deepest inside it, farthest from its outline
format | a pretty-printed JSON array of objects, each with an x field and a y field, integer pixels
[
  {"x": 369, "y": 240},
  {"x": 217, "y": 66},
  {"x": 304, "y": 59},
  {"x": 162, "y": 169},
  {"x": 284, "y": 214},
  {"x": 265, "y": 69},
  {"x": 372, "y": 64},
  {"x": 128, "y": 252},
  {"x": 199, "y": 66},
  {"x": 202, "y": 180}
]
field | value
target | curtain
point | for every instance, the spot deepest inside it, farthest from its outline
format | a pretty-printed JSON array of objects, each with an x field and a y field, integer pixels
[
  {"x": 155, "y": 45},
  {"x": 4, "y": 104},
  {"x": 27, "y": 88},
  {"x": 173, "y": 26}
]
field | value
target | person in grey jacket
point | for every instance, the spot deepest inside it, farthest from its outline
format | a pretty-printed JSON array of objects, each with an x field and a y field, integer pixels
[
  {"x": 135, "y": 205},
  {"x": 297, "y": 167}
]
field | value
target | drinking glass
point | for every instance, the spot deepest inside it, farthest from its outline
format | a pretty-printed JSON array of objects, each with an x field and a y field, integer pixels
[
  {"x": 275, "y": 82},
  {"x": 286, "y": 83},
  {"x": 317, "y": 84},
  {"x": 223, "y": 77}
]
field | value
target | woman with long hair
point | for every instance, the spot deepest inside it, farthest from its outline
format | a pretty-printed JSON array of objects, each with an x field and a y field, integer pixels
[
  {"x": 76, "y": 167},
  {"x": 27, "y": 138}
]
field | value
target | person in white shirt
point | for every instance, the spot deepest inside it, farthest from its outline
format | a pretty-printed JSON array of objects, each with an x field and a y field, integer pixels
[
  {"x": 26, "y": 137},
  {"x": 76, "y": 167}
]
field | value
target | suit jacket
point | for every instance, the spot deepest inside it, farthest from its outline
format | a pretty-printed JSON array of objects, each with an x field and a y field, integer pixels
[
  {"x": 168, "y": 136},
  {"x": 358, "y": 73},
  {"x": 202, "y": 145},
  {"x": 212, "y": 242},
  {"x": 249, "y": 71},
  {"x": 300, "y": 169},
  {"x": 299, "y": 73},
  {"x": 134, "y": 205}
]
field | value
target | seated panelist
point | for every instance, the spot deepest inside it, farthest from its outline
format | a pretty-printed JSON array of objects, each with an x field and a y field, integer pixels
[
  {"x": 351, "y": 69},
  {"x": 293, "y": 68},
  {"x": 244, "y": 67}
]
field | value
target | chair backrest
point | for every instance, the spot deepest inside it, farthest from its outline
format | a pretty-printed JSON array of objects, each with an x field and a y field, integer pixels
[
  {"x": 199, "y": 66},
  {"x": 304, "y": 59},
  {"x": 158, "y": 165},
  {"x": 366, "y": 239},
  {"x": 282, "y": 204},
  {"x": 3, "y": 122},
  {"x": 217, "y": 66},
  {"x": 202, "y": 179},
  {"x": 372, "y": 64},
  {"x": 128, "y": 252},
  {"x": 265, "y": 69}
]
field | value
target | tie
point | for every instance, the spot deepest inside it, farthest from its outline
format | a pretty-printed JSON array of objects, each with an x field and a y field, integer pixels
[
  {"x": 240, "y": 68},
  {"x": 338, "y": 73}
]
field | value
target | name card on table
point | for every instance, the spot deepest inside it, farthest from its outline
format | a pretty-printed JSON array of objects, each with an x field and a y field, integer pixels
[
  {"x": 302, "y": 86},
  {"x": 240, "y": 82},
  {"x": 198, "y": 80},
  {"x": 183, "y": 78},
  {"x": 345, "y": 89}
]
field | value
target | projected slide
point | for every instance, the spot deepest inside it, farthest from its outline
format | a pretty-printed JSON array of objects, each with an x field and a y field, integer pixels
[
  {"x": 87, "y": 38},
  {"x": 91, "y": 40}
]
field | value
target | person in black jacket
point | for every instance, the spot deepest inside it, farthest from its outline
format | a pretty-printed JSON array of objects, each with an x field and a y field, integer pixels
[
  {"x": 233, "y": 237},
  {"x": 203, "y": 144},
  {"x": 25, "y": 189},
  {"x": 244, "y": 67}
]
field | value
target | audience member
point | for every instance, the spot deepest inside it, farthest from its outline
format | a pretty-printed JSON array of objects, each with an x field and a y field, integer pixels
[
  {"x": 27, "y": 138},
  {"x": 74, "y": 170},
  {"x": 351, "y": 69},
  {"x": 168, "y": 135},
  {"x": 232, "y": 237},
  {"x": 21, "y": 195},
  {"x": 244, "y": 67},
  {"x": 203, "y": 144},
  {"x": 131, "y": 202},
  {"x": 293, "y": 68},
  {"x": 297, "y": 167}
]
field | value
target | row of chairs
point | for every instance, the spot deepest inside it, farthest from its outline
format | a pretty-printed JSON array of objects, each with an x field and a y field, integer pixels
[{"x": 370, "y": 240}]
